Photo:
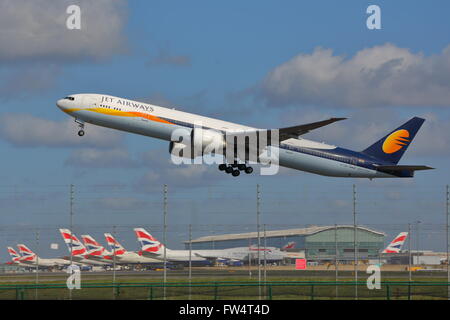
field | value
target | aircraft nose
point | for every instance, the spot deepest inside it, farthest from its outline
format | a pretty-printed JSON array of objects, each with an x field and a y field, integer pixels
[{"x": 62, "y": 104}]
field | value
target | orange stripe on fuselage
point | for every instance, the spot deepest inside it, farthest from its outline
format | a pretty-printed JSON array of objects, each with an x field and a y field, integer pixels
[{"x": 119, "y": 113}]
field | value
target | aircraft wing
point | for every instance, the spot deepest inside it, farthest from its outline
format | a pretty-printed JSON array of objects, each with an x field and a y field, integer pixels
[
  {"x": 216, "y": 257},
  {"x": 295, "y": 131},
  {"x": 290, "y": 132}
]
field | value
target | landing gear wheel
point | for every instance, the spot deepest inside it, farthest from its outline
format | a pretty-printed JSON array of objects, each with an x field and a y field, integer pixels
[
  {"x": 222, "y": 167},
  {"x": 81, "y": 133},
  {"x": 241, "y": 166},
  {"x": 236, "y": 173},
  {"x": 248, "y": 170},
  {"x": 229, "y": 170}
]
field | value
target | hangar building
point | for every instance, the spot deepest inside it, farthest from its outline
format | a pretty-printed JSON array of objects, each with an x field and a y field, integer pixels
[{"x": 317, "y": 242}]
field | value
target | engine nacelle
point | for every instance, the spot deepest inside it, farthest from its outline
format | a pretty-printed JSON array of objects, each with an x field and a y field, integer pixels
[
  {"x": 200, "y": 142},
  {"x": 206, "y": 141}
]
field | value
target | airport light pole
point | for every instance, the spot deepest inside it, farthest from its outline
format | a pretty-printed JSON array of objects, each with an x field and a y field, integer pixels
[
  {"x": 447, "y": 236},
  {"x": 190, "y": 261},
  {"x": 114, "y": 264},
  {"x": 37, "y": 263},
  {"x": 164, "y": 241},
  {"x": 409, "y": 249},
  {"x": 355, "y": 246},
  {"x": 258, "y": 198},
  {"x": 71, "y": 197},
  {"x": 336, "y": 257},
  {"x": 265, "y": 262}
]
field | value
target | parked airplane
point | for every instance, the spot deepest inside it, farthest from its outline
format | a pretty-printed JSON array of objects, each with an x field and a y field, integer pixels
[
  {"x": 30, "y": 258},
  {"x": 77, "y": 250},
  {"x": 151, "y": 247},
  {"x": 15, "y": 258},
  {"x": 127, "y": 257},
  {"x": 380, "y": 160},
  {"x": 396, "y": 245}
]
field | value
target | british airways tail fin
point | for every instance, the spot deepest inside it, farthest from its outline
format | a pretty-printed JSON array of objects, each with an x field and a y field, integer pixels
[
  {"x": 392, "y": 147},
  {"x": 396, "y": 245},
  {"x": 148, "y": 243}
]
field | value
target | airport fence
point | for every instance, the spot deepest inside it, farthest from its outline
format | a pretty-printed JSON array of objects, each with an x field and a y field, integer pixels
[{"x": 241, "y": 290}]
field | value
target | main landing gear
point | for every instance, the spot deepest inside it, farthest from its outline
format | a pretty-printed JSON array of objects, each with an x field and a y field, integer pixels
[
  {"x": 81, "y": 126},
  {"x": 235, "y": 169}
]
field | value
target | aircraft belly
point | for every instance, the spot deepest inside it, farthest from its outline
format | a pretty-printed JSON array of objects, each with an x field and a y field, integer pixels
[{"x": 322, "y": 166}]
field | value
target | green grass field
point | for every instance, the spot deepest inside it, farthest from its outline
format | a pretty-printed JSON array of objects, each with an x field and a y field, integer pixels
[{"x": 313, "y": 286}]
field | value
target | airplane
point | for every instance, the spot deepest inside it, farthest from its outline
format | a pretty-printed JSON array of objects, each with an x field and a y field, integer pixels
[
  {"x": 396, "y": 245},
  {"x": 380, "y": 160},
  {"x": 288, "y": 246},
  {"x": 15, "y": 258},
  {"x": 77, "y": 250},
  {"x": 127, "y": 257},
  {"x": 31, "y": 258},
  {"x": 151, "y": 247},
  {"x": 95, "y": 250}
]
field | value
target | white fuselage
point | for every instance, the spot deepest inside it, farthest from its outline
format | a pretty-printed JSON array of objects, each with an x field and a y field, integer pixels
[
  {"x": 159, "y": 122},
  {"x": 42, "y": 262},
  {"x": 239, "y": 253},
  {"x": 133, "y": 257}
]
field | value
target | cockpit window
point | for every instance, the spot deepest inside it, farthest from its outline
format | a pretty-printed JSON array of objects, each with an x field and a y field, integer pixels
[{"x": 70, "y": 98}]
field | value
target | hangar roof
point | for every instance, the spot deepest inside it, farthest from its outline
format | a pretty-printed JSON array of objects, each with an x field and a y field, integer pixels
[{"x": 279, "y": 233}]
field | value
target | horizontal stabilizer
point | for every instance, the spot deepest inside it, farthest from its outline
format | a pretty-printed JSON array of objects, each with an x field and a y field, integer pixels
[{"x": 403, "y": 167}]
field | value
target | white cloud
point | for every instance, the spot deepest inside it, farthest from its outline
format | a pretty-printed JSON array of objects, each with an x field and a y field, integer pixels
[
  {"x": 25, "y": 130},
  {"x": 384, "y": 75},
  {"x": 29, "y": 80},
  {"x": 36, "y": 30}
]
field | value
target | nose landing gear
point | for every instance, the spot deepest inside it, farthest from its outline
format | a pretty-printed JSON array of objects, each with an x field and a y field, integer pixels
[
  {"x": 235, "y": 169},
  {"x": 81, "y": 126}
]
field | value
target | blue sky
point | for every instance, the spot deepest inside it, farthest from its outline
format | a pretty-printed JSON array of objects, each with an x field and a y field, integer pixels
[{"x": 231, "y": 60}]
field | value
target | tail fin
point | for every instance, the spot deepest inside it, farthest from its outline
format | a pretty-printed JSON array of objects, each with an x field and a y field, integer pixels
[
  {"x": 392, "y": 147},
  {"x": 75, "y": 246},
  {"x": 15, "y": 257},
  {"x": 114, "y": 245},
  {"x": 289, "y": 245},
  {"x": 396, "y": 245},
  {"x": 148, "y": 242},
  {"x": 27, "y": 254},
  {"x": 93, "y": 247}
]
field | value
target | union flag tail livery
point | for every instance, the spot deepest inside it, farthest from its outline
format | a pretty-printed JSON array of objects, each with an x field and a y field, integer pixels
[
  {"x": 289, "y": 245},
  {"x": 76, "y": 248},
  {"x": 27, "y": 254},
  {"x": 115, "y": 246},
  {"x": 94, "y": 248},
  {"x": 396, "y": 245},
  {"x": 148, "y": 242},
  {"x": 392, "y": 147},
  {"x": 15, "y": 257}
]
